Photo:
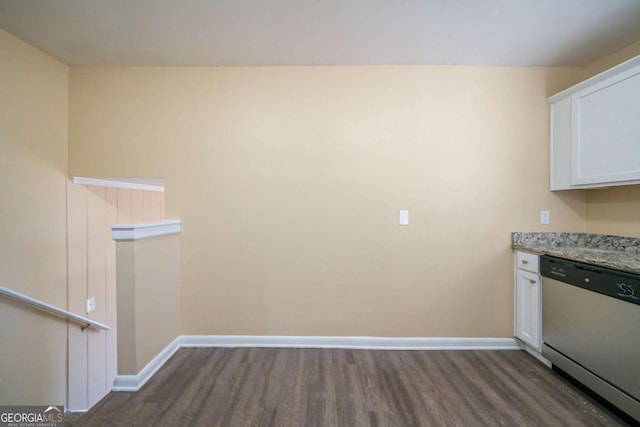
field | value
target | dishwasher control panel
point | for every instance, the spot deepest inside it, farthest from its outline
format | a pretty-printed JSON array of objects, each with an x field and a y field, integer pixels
[{"x": 606, "y": 281}]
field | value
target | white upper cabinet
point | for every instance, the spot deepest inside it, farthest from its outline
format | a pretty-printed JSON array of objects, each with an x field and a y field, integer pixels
[{"x": 595, "y": 131}]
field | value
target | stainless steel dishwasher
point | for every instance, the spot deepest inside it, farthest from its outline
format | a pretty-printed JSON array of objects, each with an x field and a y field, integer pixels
[{"x": 591, "y": 328}]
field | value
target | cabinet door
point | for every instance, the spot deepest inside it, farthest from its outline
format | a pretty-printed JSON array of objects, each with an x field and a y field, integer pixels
[
  {"x": 528, "y": 309},
  {"x": 605, "y": 134}
]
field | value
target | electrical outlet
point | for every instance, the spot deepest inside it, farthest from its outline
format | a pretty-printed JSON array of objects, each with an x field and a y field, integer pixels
[
  {"x": 544, "y": 217},
  {"x": 91, "y": 304}
]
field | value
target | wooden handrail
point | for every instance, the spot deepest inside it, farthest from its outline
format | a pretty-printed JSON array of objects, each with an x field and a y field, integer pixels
[{"x": 87, "y": 323}]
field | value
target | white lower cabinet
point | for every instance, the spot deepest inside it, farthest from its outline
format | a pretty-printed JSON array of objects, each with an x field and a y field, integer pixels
[
  {"x": 528, "y": 308},
  {"x": 528, "y": 300}
]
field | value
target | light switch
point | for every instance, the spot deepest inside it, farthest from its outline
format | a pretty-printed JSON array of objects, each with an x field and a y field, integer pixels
[{"x": 403, "y": 218}]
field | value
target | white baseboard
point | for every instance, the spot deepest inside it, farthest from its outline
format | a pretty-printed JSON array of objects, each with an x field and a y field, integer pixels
[
  {"x": 537, "y": 355},
  {"x": 369, "y": 343},
  {"x": 135, "y": 382}
]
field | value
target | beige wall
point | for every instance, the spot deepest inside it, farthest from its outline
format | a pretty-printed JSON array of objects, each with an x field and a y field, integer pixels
[
  {"x": 614, "y": 211},
  {"x": 289, "y": 182},
  {"x": 148, "y": 299},
  {"x": 33, "y": 257},
  {"x": 125, "y": 297},
  {"x": 612, "y": 60},
  {"x": 157, "y": 266},
  {"x": 617, "y": 209}
]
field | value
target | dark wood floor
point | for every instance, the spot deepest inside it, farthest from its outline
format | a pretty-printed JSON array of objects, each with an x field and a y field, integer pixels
[{"x": 333, "y": 387}]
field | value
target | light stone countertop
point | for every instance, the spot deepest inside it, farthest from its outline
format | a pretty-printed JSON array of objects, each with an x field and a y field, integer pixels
[{"x": 618, "y": 252}]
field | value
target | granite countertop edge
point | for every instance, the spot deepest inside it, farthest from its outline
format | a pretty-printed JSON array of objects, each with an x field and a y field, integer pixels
[{"x": 617, "y": 252}]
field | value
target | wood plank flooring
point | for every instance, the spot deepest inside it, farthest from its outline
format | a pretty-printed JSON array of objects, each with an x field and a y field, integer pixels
[{"x": 336, "y": 387}]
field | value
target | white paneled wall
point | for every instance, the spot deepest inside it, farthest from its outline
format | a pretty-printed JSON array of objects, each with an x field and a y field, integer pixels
[{"x": 92, "y": 354}]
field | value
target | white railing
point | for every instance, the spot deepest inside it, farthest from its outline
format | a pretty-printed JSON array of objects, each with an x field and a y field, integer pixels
[{"x": 87, "y": 323}]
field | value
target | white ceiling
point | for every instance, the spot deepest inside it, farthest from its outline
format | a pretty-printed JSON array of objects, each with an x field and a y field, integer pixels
[{"x": 324, "y": 32}]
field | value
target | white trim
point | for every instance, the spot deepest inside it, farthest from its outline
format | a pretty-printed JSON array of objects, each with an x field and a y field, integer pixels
[
  {"x": 620, "y": 68},
  {"x": 144, "y": 230},
  {"x": 135, "y": 382},
  {"x": 537, "y": 355},
  {"x": 115, "y": 183},
  {"x": 370, "y": 343}
]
